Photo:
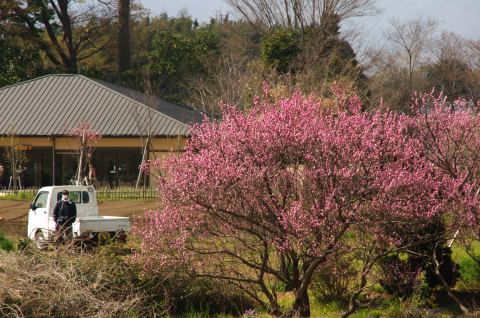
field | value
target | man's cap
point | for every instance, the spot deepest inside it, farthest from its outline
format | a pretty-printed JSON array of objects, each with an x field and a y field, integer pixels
[{"x": 65, "y": 192}]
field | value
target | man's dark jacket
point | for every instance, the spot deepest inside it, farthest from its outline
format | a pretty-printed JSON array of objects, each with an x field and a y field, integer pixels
[{"x": 65, "y": 212}]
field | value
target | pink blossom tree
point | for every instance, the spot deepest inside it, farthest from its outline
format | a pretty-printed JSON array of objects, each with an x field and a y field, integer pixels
[
  {"x": 450, "y": 137},
  {"x": 263, "y": 198}
]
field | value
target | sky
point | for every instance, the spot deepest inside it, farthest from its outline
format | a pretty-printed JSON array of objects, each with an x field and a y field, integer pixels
[{"x": 459, "y": 16}]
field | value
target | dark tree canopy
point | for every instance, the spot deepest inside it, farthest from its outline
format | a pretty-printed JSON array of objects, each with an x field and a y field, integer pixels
[{"x": 67, "y": 32}]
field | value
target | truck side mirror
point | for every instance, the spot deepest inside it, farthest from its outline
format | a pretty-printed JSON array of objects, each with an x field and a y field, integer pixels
[{"x": 32, "y": 206}]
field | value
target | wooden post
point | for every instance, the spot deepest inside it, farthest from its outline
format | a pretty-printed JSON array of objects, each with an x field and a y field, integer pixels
[
  {"x": 144, "y": 157},
  {"x": 53, "y": 161},
  {"x": 79, "y": 180}
]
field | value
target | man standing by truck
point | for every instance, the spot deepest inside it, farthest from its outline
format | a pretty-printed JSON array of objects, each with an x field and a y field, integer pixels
[{"x": 64, "y": 215}]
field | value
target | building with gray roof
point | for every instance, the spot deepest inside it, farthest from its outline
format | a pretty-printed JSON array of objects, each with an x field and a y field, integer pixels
[{"x": 42, "y": 113}]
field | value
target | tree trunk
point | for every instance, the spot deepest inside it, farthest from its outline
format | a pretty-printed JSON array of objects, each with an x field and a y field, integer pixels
[
  {"x": 353, "y": 304},
  {"x": 123, "y": 49},
  {"x": 301, "y": 306},
  {"x": 70, "y": 61}
]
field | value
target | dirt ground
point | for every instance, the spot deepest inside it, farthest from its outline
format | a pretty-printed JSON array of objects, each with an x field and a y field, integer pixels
[{"x": 13, "y": 214}]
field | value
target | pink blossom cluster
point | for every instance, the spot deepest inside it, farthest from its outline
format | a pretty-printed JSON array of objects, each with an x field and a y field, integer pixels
[
  {"x": 296, "y": 175},
  {"x": 85, "y": 130},
  {"x": 450, "y": 137},
  {"x": 144, "y": 166}
]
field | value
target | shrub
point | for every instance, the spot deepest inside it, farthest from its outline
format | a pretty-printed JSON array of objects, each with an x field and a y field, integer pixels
[
  {"x": 5, "y": 243},
  {"x": 101, "y": 284},
  {"x": 97, "y": 286}
]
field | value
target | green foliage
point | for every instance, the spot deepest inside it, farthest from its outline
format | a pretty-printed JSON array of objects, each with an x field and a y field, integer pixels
[
  {"x": 423, "y": 295},
  {"x": 5, "y": 243},
  {"x": 470, "y": 273},
  {"x": 17, "y": 62},
  {"x": 175, "y": 57},
  {"x": 19, "y": 196},
  {"x": 342, "y": 61},
  {"x": 279, "y": 47},
  {"x": 170, "y": 53}
]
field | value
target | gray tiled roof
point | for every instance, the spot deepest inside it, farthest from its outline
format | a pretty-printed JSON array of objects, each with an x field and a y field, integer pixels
[
  {"x": 53, "y": 105},
  {"x": 179, "y": 112}
]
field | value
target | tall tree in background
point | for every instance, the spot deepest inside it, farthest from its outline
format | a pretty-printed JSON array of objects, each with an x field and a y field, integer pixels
[
  {"x": 66, "y": 31},
  {"x": 313, "y": 52},
  {"x": 18, "y": 61},
  {"x": 175, "y": 57},
  {"x": 456, "y": 68},
  {"x": 399, "y": 65},
  {"x": 326, "y": 57},
  {"x": 411, "y": 40},
  {"x": 279, "y": 47},
  {"x": 300, "y": 14},
  {"x": 123, "y": 35}
]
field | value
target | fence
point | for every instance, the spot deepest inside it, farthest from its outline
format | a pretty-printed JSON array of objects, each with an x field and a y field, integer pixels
[
  {"x": 119, "y": 193},
  {"x": 24, "y": 194},
  {"x": 103, "y": 193}
]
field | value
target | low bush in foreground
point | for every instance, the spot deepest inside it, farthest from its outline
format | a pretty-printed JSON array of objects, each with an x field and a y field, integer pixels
[{"x": 100, "y": 284}]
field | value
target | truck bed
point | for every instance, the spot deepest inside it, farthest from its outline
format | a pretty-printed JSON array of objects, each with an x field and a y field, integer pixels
[{"x": 101, "y": 224}]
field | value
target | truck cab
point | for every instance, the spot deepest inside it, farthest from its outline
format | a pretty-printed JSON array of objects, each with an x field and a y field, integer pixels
[{"x": 88, "y": 224}]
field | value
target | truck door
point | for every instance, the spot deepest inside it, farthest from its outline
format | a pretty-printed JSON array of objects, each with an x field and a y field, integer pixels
[{"x": 38, "y": 215}]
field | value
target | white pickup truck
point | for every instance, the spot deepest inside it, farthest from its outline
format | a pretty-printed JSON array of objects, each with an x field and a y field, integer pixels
[{"x": 89, "y": 226}]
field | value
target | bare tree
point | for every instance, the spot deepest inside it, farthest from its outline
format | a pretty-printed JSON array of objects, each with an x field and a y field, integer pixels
[
  {"x": 229, "y": 82},
  {"x": 395, "y": 67},
  {"x": 299, "y": 14},
  {"x": 411, "y": 40},
  {"x": 16, "y": 159},
  {"x": 87, "y": 141}
]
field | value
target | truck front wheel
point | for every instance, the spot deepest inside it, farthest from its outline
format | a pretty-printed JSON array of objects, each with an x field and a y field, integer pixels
[{"x": 40, "y": 240}]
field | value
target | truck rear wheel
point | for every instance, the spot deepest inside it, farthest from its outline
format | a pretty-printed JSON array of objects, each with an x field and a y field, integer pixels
[
  {"x": 39, "y": 239},
  {"x": 120, "y": 237}
]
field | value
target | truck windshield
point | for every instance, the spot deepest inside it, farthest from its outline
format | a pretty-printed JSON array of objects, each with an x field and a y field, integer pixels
[
  {"x": 76, "y": 196},
  {"x": 41, "y": 199}
]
